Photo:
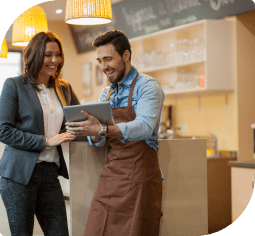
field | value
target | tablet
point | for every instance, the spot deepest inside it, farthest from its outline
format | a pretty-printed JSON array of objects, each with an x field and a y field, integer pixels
[{"x": 101, "y": 110}]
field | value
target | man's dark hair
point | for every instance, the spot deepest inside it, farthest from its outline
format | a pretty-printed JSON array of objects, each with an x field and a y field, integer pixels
[{"x": 117, "y": 38}]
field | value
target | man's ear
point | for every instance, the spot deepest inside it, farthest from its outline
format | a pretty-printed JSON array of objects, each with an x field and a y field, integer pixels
[{"x": 126, "y": 55}]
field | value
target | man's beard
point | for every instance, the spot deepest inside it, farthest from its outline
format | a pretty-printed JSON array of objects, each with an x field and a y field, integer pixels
[{"x": 120, "y": 75}]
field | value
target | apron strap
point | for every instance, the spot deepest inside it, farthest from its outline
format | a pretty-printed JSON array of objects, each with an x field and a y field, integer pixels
[
  {"x": 131, "y": 91},
  {"x": 109, "y": 95}
]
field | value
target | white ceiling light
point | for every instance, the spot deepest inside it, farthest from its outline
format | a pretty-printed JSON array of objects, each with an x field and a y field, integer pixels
[
  {"x": 88, "y": 12},
  {"x": 59, "y": 11}
]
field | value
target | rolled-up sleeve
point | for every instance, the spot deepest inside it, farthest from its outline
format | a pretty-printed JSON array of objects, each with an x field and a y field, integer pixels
[{"x": 148, "y": 110}]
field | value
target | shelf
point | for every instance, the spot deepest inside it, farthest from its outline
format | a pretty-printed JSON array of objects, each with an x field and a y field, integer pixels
[
  {"x": 195, "y": 92},
  {"x": 217, "y": 38},
  {"x": 165, "y": 67},
  {"x": 182, "y": 28}
]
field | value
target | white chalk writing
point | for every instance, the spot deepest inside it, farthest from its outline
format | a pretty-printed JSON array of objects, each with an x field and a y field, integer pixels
[
  {"x": 136, "y": 19},
  {"x": 174, "y": 6},
  {"x": 216, "y": 4}
]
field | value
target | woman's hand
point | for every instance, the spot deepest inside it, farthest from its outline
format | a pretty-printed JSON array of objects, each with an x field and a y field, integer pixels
[{"x": 59, "y": 138}]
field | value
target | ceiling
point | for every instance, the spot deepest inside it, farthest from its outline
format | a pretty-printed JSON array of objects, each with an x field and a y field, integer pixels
[{"x": 50, "y": 8}]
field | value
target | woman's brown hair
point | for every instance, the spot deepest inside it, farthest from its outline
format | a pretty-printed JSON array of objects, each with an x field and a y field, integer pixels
[{"x": 34, "y": 55}]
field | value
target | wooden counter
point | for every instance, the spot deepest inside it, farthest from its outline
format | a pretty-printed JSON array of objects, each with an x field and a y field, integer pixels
[
  {"x": 219, "y": 193},
  {"x": 244, "y": 164},
  {"x": 184, "y": 166},
  {"x": 242, "y": 175}
]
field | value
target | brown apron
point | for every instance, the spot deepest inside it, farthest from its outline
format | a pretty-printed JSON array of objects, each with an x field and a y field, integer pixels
[{"x": 128, "y": 198}]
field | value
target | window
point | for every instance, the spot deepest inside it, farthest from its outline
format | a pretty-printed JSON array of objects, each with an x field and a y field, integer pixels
[{"x": 10, "y": 67}]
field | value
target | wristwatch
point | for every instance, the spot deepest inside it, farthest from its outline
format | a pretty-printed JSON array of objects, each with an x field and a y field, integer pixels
[{"x": 103, "y": 131}]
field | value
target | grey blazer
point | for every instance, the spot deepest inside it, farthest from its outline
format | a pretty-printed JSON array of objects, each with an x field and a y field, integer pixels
[{"x": 22, "y": 127}]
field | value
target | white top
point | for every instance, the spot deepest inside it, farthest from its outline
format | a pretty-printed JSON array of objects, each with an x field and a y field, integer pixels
[{"x": 52, "y": 118}]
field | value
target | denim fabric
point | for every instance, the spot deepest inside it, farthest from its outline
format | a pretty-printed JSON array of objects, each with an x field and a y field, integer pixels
[
  {"x": 42, "y": 197},
  {"x": 147, "y": 100}
]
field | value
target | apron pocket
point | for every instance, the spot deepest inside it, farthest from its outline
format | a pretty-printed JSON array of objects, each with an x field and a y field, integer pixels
[{"x": 116, "y": 178}]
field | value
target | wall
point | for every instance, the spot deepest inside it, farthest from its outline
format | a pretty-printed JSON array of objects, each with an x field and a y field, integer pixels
[
  {"x": 210, "y": 114},
  {"x": 228, "y": 116},
  {"x": 206, "y": 115},
  {"x": 246, "y": 83}
]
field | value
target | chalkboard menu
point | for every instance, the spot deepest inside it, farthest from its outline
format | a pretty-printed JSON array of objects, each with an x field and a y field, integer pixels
[
  {"x": 141, "y": 17},
  {"x": 83, "y": 35}
]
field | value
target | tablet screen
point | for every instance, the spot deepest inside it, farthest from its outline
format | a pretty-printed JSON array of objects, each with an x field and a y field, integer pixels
[{"x": 101, "y": 110}]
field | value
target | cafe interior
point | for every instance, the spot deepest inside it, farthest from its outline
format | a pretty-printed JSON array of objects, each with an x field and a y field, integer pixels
[{"x": 206, "y": 68}]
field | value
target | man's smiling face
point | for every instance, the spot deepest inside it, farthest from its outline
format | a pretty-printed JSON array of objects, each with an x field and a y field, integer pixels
[{"x": 111, "y": 63}]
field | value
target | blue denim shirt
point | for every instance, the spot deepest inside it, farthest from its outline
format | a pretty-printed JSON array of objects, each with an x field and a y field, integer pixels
[{"x": 147, "y": 100}]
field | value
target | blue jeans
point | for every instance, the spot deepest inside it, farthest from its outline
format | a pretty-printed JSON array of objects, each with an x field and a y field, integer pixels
[{"x": 42, "y": 197}]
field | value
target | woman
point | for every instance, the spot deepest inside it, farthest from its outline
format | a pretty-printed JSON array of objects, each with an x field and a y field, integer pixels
[{"x": 31, "y": 117}]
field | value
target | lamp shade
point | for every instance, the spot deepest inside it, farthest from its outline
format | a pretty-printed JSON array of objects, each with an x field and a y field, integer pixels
[
  {"x": 4, "y": 49},
  {"x": 28, "y": 24},
  {"x": 88, "y": 12}
]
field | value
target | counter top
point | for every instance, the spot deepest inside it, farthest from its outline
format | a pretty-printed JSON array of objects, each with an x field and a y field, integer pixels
[
  {"x": 244, "y": 164},
  {"x": 220, "y": 157}
]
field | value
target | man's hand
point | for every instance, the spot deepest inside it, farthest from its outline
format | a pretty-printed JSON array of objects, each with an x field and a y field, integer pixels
[{"x": 89, "y": 127}]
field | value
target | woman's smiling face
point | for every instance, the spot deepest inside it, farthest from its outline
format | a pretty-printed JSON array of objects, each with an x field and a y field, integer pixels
[{"x": 52, "y": 58}]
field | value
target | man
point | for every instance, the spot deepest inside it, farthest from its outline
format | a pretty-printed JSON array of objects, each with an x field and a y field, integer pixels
[{"x": 127, "y": 201}]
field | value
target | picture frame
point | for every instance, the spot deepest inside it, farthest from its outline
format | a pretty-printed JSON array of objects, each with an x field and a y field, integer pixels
[
  {"x": 99, "y": 75},
  {"x": 87, "y": 79}
]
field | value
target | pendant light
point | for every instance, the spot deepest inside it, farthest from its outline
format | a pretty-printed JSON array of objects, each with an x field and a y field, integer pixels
[
  {"x": 4, "y": 49},
  {"x": 88, "y": 12},
  {"x": 28, "y": 24}
]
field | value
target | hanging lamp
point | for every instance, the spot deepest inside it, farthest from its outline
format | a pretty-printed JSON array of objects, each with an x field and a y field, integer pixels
[
  {"x": 4, "y": 49},
  {"x": 27, "y": 25},
  {"x": 88, "y": 12}
]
